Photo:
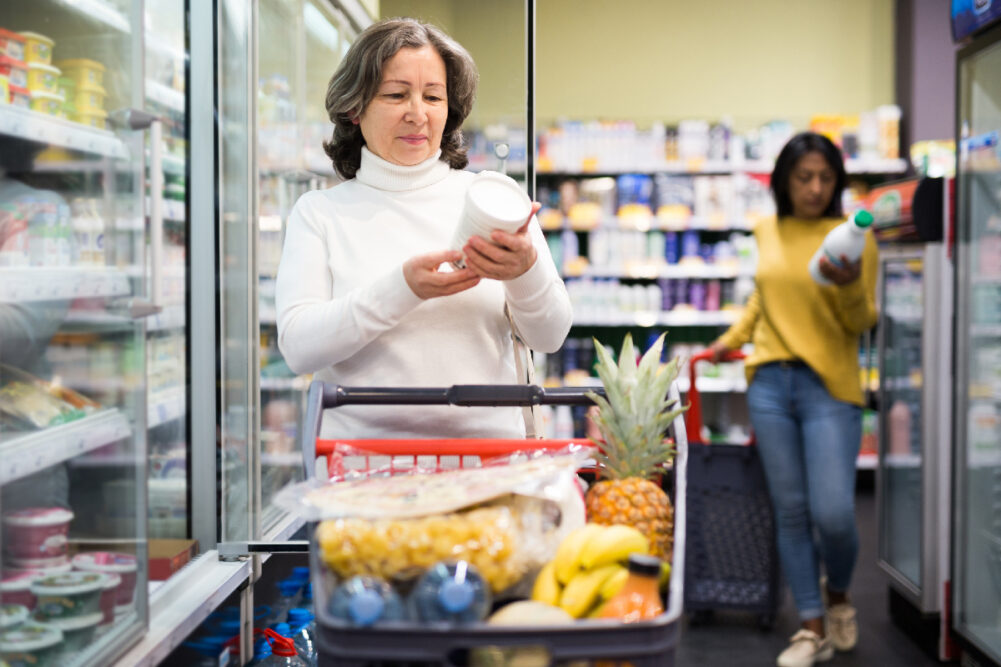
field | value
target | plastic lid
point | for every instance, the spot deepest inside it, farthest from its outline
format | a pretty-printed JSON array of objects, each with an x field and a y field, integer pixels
[
  {"x": 30, "y": 637},
  {"x": 12, "y": 62},
  {"x": 455, "y": 596},
  {"x": 10, "y": 34},
  {"x": 71, "y": 623},
  {"x": 44, "y": 94},
  {"x": 862, "y": 218},
  {"x": 105, "y": 561},
  {"x": 19, "y": 581},
  {"x": 495, "y": 198},
  {"x": 282, "y": 628},
  {"x": 366, "y": 607},
  {"x": 280, "y": 645},
  {"x": 80, "y": 63},
  {"x": 27, "y": 34},
  {"x": 230, "y": 627},
  {"x": 38, "y": 516},
  {"x": 300, "y": 616},
  {"x": 69, "y": 583},
  {"x": 289, "y": 587},
  {"x": 300, "y": 573},
  {"x": 12, "y": 614},
  {"x": 644, "y": 564},
  {"x": 45, "y": 566},
  {"x": 111, "y": 581},
  {"x": 38, "y": 65}
]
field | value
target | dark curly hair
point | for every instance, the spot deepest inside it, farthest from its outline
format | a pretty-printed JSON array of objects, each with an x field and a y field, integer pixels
[
  {"x": 795, "y": 148},
  {"x": 359, "y": 75}
]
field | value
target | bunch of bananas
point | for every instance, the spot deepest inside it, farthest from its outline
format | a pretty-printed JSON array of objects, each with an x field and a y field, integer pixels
[{"x": 589, "y": 568}]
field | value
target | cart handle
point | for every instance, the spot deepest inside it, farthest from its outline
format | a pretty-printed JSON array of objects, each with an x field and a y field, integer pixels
[
  {"x": 693, "y": 420},
  {"x": 323, "y": 395}
]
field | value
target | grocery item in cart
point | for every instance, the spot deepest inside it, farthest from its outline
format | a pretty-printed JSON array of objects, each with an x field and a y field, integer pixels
[
  {"x": 451, "y": 592},
  {"x": 365, "y": 601}
]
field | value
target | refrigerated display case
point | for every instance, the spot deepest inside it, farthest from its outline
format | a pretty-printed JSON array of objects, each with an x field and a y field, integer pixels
[
  {"x": 977, "y": 518},
  {"x": 75, "y": 304}
]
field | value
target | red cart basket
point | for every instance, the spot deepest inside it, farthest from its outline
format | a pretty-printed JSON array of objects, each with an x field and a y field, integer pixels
[
  {"x": 646, "y": 643},
  {"x": 731, "y": 553}
]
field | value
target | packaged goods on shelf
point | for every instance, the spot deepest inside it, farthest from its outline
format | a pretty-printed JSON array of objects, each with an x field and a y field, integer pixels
[
  {"x": 37, "y": 48},
  {"x": 28, "y": 402},
  {"x": 83, "y": 71},
  {"x": 11, "y": 44},
  {"x": 16, "y": 71},
  {"x": 47, "y": 103},
  {"x": 43, "y": 78}
]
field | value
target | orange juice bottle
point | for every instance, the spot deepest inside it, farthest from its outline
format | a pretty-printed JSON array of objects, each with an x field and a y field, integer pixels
[{"x": 639, "y": 598}]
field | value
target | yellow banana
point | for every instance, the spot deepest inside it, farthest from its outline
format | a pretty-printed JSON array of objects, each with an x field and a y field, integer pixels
[
  {"x": 613, "y": 545},
  {"x": 665, "y": 575},
  {"x": 568, "y": 553},
  {"x": 546, "y": 588},
  {"x": 582, "y": 591},
  {"x": 614, "y": 583}
]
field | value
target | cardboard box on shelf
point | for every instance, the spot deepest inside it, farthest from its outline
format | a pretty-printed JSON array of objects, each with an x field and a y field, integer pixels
[{"x": 168, "y": 556}]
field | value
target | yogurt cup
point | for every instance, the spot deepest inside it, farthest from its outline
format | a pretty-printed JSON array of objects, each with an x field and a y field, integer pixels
[
  {"x": 31, "y": 643},
  {"x": 78, "y": 631},
  {"x": 15, "y": 588},
  {"x": 43, "y": 78},
  {"x": 89, "y": 98},
  {"x": 37, "y": 532},
  {"x": 83, "y": 70},
  {"x": 11, "y": 44},
  {"x": 493, "y": 201},
  {"x": 37, "y": 48},
  {"x": 16, "y": 71},
  {"x": 20, "y": 97},
  {"x": 12, "y": 616},
  {"x": 108, "y": 595},
  {"x": 68, "y": 595},
  {"x": 109, "y": 562},
  {"x": 43, "y": 566},
  {"x": 47, "y": 103}
]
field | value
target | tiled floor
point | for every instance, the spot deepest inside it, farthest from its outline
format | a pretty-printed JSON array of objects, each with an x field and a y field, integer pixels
[{"x": 734, "y": 640}]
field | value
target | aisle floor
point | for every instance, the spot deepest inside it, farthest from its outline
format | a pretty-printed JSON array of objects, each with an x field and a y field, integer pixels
[{"x": 734, "y": 640}]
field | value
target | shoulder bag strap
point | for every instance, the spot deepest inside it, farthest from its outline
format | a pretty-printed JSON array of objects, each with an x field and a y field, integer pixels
[{"x": 525, "y": 369}]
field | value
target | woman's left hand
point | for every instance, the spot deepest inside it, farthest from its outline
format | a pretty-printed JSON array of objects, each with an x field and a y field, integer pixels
[
  {"x": 505, "y": 256},
  {"x": 847, "y": 273}
]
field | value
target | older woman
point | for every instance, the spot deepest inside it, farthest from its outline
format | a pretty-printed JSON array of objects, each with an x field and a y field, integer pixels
[{"x": 365, "y": 295}]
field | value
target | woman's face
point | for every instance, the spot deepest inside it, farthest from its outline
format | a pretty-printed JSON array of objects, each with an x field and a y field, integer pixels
[
  {"x": 404, "y": 122},
  {"x": 811, "y": 186}
]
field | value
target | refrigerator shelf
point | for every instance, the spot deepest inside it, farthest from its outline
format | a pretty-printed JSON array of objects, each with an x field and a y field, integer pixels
[
  {"x": 33, "y": 452},
  {"x": 31, "y": 283},
  {"x": 165, "y": 95},
  {"x": 100, "y": 11},
  {"x": 46, "y": 129}
]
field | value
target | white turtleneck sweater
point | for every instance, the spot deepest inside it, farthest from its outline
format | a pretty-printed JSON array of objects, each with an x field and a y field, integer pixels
[{"x": 346, "y": 313}]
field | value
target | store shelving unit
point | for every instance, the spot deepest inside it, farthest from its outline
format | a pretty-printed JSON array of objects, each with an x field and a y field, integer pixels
[{"x": 46, "y": 129}]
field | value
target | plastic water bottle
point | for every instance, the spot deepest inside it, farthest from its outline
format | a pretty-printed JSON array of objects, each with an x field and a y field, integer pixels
[
  {"x": 846, "y": 239},
  {"x": 451, "y": 592},
  {"x": 283, "y": 652},
  {"x": 302, "y": 624},
  {"x": 288, "y": 597},
  {"x": 366, "y": 601}
]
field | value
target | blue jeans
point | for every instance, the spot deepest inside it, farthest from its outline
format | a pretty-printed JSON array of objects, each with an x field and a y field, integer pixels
[{"x": 808, "y": 443}]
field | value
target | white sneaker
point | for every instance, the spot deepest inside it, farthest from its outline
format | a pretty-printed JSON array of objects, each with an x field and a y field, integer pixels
[
  {"x": 842, "y": 626},
  {"x": 806, "y": 647}
]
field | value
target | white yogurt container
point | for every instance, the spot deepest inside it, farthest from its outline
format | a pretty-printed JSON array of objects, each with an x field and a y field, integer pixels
[
  {"x": 12, "y": 615},
  {"x": 493, "y": 201},
  {"x": 78, "y": 631}
]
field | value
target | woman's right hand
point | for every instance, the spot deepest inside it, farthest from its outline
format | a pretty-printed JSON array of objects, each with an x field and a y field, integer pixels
[
  {"x": 427, "y": 282},
  {"x": 717, "y": 350}
]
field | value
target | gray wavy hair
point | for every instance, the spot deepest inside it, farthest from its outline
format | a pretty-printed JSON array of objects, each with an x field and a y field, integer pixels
[{"x": 359, "y": 75}]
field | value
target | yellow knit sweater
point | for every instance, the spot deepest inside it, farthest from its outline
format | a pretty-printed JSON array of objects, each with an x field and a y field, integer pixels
[{"x": 789, "y": 316}]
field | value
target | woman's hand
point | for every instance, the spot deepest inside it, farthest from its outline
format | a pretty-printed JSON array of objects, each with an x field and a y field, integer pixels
[
  {"x": 507, "y": 256},
  {"x": 427, "y": 282},
  {"x": 847, "y": 273},
  {"x": 718, "y": 350}
]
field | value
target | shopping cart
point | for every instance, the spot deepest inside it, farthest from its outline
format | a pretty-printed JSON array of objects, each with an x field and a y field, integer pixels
[
  {"x": 650, "y": 642},
  {"x": 731, "y": 553}
]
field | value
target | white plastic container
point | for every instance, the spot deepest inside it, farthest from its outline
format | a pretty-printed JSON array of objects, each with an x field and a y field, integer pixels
[
  {"x": 109, "y": 563},
  {"x": 37, "y": 532},
  {"x": 78, "y": 631},
  {"x": 31, "y": 644},
  {"x": 846, "y": 239},
  {"x": 69, "y": 595},
  {"x": 12, "y": 615},
  {"x": 493, "y": 201}
]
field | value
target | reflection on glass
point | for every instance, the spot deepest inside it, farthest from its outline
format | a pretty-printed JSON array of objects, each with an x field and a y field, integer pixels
[
  {"x": 901, "y": 379},
  {"x": 72, "y": 353},
  {"x": 979, "y": 354}
]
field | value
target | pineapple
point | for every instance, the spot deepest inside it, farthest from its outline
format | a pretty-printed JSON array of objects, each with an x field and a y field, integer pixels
[{"x": 632, "y": 421}]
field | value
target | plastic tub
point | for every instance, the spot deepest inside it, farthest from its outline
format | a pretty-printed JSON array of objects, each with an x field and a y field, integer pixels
[
  {"x": 37, "y": 532},
  {"x": 43, "y": 567},
  {"x": 89, "y": 98},
  {"x": 37, "y": 48},
  {"x": 16, "y": 71},
  {"x": 95, "y": 119},
  {"x": 108, "y": 595},
  {"x": 68, "y": 595},
  {"x": 66, "y": 87},
  {"x": 83, "y": 70},
  {"x": 107, "y": 562},
  {"x": 78, "y": 631},
  {"x": 43, "y": 78},
  {"x": 12, "y": 616},
  {"x": 47, "y": 103},
  {"x": 32, "y": 643},
  {"x": 20, "y": 97},
  {"x": 15, "y": 588},
  {"x": 11, "y": 44}
]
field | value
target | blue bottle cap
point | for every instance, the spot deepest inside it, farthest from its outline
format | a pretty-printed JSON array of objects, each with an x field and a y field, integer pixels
[
  {"x": 289, "y": 587},
  {"x": 307, "y": 592},
  {"x": 283, "y": 629},
  {"x": 455, "y": 596},
  {"x": 299, "y": 616},
  {"x": 366, "y": 607},
  {"x": 300, "y": 572}
]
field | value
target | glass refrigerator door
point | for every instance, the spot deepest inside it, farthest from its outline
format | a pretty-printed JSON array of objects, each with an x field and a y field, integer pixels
[
  {"x": 977, "y": 533},
  {"x": 74, "y": 301},
  {"x": 901, "y": 380}
]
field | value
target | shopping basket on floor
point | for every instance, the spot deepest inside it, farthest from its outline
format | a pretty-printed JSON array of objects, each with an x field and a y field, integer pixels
[
  {"x": 731, "y": 555},
  {"x": 649, "y": 643}
]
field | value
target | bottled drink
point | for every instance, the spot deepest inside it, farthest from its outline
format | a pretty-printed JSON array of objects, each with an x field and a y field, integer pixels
[
  {"x": 302, "y": 627},
  {"x": 846, "y": 239},
  {"x": 288, "y": 597},
  {"x": 365, "y": 601},
  {"x": 453, "y": 592},
  {"x": 283, "y": 653},
  {"x": 639, "y": 598}
]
